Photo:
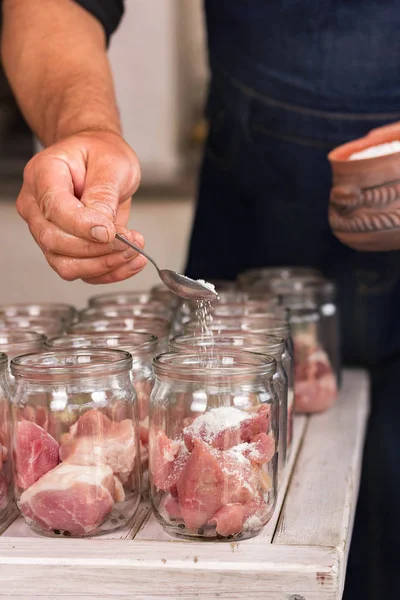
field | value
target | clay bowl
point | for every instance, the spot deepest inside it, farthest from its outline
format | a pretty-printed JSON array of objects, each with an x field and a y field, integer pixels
[{"x": 364, "y": 207}]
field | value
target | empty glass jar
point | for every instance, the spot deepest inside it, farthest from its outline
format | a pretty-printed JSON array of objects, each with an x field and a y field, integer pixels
[
  {"x": 48, "y": 326},
  {"x": 155, "y": 325},
  {"x": 213, "y": 428},
  {"x": 6, "y": 495},
  {"x": 75, "y": 441},
  {"x": 52, "y": 310},
  {"x": 120, "y": 298}
]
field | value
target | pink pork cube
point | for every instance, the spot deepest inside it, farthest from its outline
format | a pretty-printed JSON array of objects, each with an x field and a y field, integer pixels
[
  {"x": 36, "y": 452},
  {"x": 71, "y": 498}
]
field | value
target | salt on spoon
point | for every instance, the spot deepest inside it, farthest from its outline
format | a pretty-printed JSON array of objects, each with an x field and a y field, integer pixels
[{"x": 178, "y": 284}]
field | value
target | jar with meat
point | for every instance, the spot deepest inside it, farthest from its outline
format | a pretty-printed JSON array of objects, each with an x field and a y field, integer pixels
[
  {"x": 310, "y": 292},
  {"x": 315, "y": 380},
  {"x": 268, "y": 325},
  {"x": 142, "y": 347},
  {"x": 213, "y": 444},
  {"x": 248, "y": 342},
  {"x": 75, "y": 441},
  {"x": 6, "y": 495}
]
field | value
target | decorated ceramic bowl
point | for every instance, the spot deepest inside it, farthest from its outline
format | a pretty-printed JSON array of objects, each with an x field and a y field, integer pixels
[{"x": 364, "y": 209}]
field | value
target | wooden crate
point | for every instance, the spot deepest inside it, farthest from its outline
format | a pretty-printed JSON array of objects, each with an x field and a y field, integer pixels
[{"x": 301, "y": 554}]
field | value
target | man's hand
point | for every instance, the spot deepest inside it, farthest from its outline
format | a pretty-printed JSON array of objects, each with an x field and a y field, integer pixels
[{"x": 75, "y": 196}]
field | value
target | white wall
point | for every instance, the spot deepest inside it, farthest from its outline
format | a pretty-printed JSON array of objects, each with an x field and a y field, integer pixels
[
  {"x": 158, "y": 60},
  {"x": 26, "y": 277}
]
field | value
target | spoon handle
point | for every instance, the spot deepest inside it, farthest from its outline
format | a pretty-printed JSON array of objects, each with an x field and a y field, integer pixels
[{"x": 123, "y": 239}]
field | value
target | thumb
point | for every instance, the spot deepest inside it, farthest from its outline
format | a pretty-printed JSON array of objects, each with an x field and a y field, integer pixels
[{"x": 102, "y": 192}]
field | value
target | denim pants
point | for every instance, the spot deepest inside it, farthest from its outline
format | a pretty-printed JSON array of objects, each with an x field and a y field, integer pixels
[{"x": 263, "y": 200}]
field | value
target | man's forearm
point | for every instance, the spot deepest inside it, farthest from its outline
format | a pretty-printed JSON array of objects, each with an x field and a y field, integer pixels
[{"x": 55, "y": 58}]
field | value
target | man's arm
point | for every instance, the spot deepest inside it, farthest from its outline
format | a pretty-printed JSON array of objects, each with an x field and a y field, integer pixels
[
  {"x": 79, "y": 188},
  {"x": 54, "y": 55}
]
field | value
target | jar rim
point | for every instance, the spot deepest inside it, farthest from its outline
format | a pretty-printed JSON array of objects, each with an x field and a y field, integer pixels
[
  {"x": 195, "y": 366},
  {"x": 143, "y": 323},
  {"x": 111, "y": 297},
  {"x": 40, "y": 365},
  {"x": 134, "y": 342},
  {"x": 21, "y": 340},
  {"x": 252, "y": 342},
  {"x": 42, "y": 305}
]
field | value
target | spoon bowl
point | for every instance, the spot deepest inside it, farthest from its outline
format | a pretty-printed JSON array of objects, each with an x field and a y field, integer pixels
[{"x": 179, "y": 284}]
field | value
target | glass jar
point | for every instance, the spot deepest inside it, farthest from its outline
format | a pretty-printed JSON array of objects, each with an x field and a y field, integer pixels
[
  {"x": 213, "y": 459},
  {"x": 162, "y": 293},
  {"x": 315, "y": 380},
  {"x": 248, "y": 342},
  {"x": 6, "y": 496},
  {"x": 48, "y": 326},
  {"x": 308, "y": 292},
  {"x": 155, "y": 325},
  {"x": 281, "y": 329},
  {"x": 120, "y": 298},
  {"x": 142, "y": 347},
  {"x": 75, "y": 441},
  {"x": 126, "y": 311},
  {"x": 14, "y": 343},
  {"x": 51, "y": 310},
  {"x": 256, "y": 278}
]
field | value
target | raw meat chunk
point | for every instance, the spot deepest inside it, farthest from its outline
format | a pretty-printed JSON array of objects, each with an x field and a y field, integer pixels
[
  {"x": 172, "y": 507},
  {"x": 200, "y": 486},
  {"x": 218, "y": 427},
  {"x": 70, "y": 498},
  {"x": 315, "y": 382},
  {"x": 36, "y": 452},
  {"x": 239, "y": 480},
  {"x": 93, "y": 422},
  {"x": 257, "y": 423},
  {"x": 229, "y": 519},
  {"x": 98, "y": 441},
  {"x": 262, "y": 449},
  {"x": 163, "y": 452},
  {"x": 119, "y": 492}
]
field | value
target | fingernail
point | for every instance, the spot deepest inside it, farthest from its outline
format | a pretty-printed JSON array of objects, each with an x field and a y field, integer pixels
[
  {"x": 100, "y": 234},
  {"x": 129, "y": 253}
]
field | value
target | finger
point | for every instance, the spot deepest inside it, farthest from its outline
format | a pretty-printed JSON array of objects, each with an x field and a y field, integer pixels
[
  {"x": 50, "y": 182},
  {"x": 121, "y": 273},
  {"x": 52, "y": 239},
  {"x": 71, "y": 269},
  {"x": 110, "y": 183}
]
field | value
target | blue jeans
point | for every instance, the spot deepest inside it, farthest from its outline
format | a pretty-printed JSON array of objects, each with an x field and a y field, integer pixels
[{"x": 263, "y": 200}]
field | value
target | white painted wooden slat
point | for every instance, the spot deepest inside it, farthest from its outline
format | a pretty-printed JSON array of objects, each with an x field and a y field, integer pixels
[
  {"x": 106, "y": 569},
  {"x": 320, "y": 505}
]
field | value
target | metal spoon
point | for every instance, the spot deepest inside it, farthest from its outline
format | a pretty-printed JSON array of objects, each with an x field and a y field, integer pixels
[{"x": 178, "y": 284}]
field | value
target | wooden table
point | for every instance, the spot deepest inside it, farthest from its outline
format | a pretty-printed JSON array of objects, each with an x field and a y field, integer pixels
[{"x": 301, "y": 554}]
